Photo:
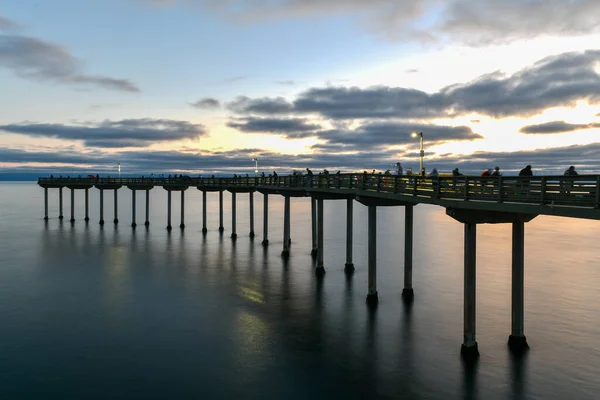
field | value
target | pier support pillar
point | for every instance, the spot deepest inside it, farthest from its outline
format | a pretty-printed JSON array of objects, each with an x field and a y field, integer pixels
[
  {"x": 221, "y": 228},
  {"x": 46, "y": 204},
  {"x": 87, "y": 205},
  {"x": 286, "y": 227},
  {"x": 116, "y": 220},
  {"x": 407, "y": 292},
  {"x": 320, "y": 271},
  {"x": 72, "y": 206},
  {"x": 204, "y": 230},
  {"x": 372, "y": 298},
  {"x": 265, "y": 241},
  {"x": 133, "y": 223},
  {"x": 169, "y": 227},
  {"x": 60, "y": 203},
  {"x": 101, "y": 207},
  {"x": 233, "y": 216},
  {"x": 313, "y": 212},
  {"x": 147, "y": 222},
  {"x": 517, "y": 340},
  {"x": 349, "y": 267},
  {"x": 469, "y": 347},
  {"x": 251, "y": 215},
  {"x": 182, "y": 224}
]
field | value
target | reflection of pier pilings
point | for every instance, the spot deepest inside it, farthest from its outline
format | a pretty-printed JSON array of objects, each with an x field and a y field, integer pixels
[
  {"x": 116, "y": 220},
  {"x": 46, "y": 203},
  {"x": 87, "y": 205}
]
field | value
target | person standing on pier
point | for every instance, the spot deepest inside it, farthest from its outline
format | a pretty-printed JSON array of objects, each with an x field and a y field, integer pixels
[
  {"x": 567, "y": 185},
  {"x": 399, "y": 168},
  {"x": 525, "y": 183},
  {"x": 496, "y": 172}
]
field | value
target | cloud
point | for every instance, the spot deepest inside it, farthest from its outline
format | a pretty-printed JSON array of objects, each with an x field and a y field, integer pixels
[
  {"x": 265, "y": 105},
  {"x": 556, "y": 81},
  {"x": 8, "y": 24},
  {"x": 437, "y": 21},
  {"x": 206, "y": 103},
  {"x": 288, "y": 82},
  {"x": 113, "y": 134},
  {"x": 234, "y": 79},
  {"x": 292, "y": 128},
  {"x": 412, "y": 70},
  {"x": 375, "y": 135},
  {"x": 557, "y": 127},
  {"x": 544, "y": 161},
  {"x": 35, "y": 59}
]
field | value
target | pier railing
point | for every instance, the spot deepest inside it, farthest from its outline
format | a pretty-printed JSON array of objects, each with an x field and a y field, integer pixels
[{"x": 575, "y": 191}]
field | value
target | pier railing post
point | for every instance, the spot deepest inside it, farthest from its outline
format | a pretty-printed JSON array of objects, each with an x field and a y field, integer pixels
[
  {"x": 320, "y": 270},
  {"x": 233, "y": 216},
  {"x": 265, "y": 241},
  {"x": 286, "y": 227},
  {"x": 407, "y": 292},
  {"x": 349, "y": 267},
  {"x": 72, "y": 205},
  {"x": 372, "y": 297},
  {"x": 517, "y": 340},
  {"x": 101, "y": 207},
  {"x": 133, "y": 223},
  {"x": 313, "y": 213},
  {"x": 87, "y": 205},
  {"x": 221, "y": 228},
  {"x": 469, "y": 347},
  {"x": 251, "y": 195}
]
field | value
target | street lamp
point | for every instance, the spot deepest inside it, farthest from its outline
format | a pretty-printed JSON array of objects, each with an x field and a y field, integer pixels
[
  {"x": 255, "y": 166},
  {"x": 422, "y": 152},
  {"x": 119, "y": 168}
]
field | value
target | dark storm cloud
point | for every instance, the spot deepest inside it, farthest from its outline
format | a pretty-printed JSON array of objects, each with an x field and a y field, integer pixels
[
  {"x": 206, "y": 103},
  {"x": 556, "y": 127},
  {"x": 288, "y": 127},
  {"x": 555, "y": 81},
  {"x": 463, "y": 21},
  {"x": 124, "y": 133},
  {"x": 35, "y": 59}
]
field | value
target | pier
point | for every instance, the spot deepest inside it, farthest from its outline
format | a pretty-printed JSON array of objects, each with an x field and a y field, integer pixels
[{"x": 469, "y": 200}]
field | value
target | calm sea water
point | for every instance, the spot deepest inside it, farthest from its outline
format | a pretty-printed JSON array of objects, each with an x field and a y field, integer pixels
[{"x": 89, "y": 312}]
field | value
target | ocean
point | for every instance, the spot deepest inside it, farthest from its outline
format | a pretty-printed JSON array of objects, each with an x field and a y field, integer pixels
[{"x": 91, "y": 312}]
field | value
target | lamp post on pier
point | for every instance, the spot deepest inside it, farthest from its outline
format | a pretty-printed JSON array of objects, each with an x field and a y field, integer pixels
[
  {"x": 422, "y": 152},
  {"x": 255, "y": 166}
]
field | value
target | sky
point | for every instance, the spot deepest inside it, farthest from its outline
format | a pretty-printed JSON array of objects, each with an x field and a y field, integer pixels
[{"x": 205, "y": 86}]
